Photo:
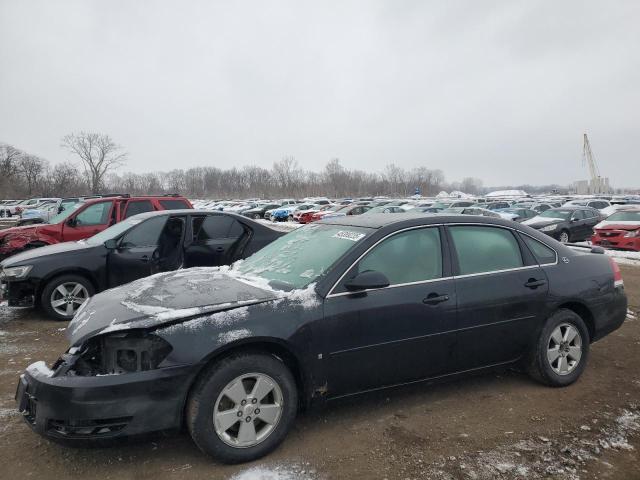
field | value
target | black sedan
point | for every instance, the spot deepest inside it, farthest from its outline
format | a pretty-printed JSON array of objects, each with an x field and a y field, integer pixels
[
  {"x": 567, "y": 224},
  {"x": 335, "y": 308},
  {"x": 259, "y": 211},
  {"x": 61, "y": 277}
]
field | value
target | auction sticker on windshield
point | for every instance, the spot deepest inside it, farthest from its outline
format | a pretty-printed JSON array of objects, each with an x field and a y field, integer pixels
[{"x": 353, "y": 236}]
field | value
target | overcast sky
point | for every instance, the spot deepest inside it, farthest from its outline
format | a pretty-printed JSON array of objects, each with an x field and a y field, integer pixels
[{"x": 498, "y": 90}]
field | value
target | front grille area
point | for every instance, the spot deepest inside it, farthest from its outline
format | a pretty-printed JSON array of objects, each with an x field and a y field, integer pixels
[{"x": 87, "y": 428}]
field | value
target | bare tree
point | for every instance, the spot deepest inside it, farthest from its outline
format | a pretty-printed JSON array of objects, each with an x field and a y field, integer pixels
[
  {"x": 31, "y": 169},
  {"x": 99, "y": 155}
]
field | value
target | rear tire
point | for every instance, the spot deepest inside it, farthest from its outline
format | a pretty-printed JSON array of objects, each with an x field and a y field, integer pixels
[
  {"x": 233, "y": 376},
  {"x": 256, "y": 216},
  {"x": 56, "y": 303},
  {"x": 561, "y": 351}
]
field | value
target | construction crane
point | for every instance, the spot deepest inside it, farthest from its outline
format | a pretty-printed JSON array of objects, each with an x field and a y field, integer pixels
[{"x": 597, "y": 183}]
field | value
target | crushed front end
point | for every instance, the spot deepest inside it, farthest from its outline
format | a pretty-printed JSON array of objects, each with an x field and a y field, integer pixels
[{"x": 113, "y": 385}]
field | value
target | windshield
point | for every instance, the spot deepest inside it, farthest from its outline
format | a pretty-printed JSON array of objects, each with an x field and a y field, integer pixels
[
  {"x": 625, "y": 217},
  {"x": 113, "y": 231},
  {"x": 562, "y": 214},
  {"x": 300, "y": 257},
  {"x": 63, "y": 215}
]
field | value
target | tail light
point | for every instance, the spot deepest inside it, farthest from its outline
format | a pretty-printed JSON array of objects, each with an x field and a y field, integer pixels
[{"x": 617, "y": 275}]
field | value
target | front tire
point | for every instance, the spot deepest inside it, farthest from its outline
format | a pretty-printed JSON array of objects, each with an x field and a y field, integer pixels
[
  {"x": 560, "y": 354},
  {"x": 63, "y": 295},
  {"x": 242, "y": 407}
]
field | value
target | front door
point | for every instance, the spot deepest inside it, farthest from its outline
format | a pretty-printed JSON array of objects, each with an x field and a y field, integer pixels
[
  {"x": 401, "y": 333},
  {"x": 501, "y": 293},
  {"x": 87, "y": 222},
  {"x": 137, "y": 255}
]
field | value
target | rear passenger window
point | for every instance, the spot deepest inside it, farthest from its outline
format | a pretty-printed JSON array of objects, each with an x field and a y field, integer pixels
[
  {"x": 542, "y": 253},
  {"x": 216, "y": 226},
  {"x": 173, "y": 204},
  {"x": 485, "y": 249},
  {"x": 411, "y": 256},
  {"x": 136, "y": 207}
]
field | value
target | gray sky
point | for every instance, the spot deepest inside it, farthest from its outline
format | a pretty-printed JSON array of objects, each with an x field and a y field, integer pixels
[{"x": 498, "y": 90}]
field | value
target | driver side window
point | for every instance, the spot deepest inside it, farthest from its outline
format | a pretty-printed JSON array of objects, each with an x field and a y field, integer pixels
[
  {"x": 146, "y": 234},
  {"x": 96, "y": 214},
  {"x": 406, "y": 257}
]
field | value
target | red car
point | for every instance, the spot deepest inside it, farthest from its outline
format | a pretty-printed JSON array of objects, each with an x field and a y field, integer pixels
[
  {"x": 83, "y": 220},
  {"x": 320, "y": 215},
  {"x": 619, "y": 230}
]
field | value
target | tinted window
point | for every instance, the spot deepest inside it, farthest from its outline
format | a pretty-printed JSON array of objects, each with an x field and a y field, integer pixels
[
  {"x": 96, "y": 214},
  {"x": 216, "y": 226},
  {"x": 173, "y": 204},
  {"x": 145, "y": 234},
  {"x": 485, "y": 249},
  {"x": 136, "y": 207},
  {"x": 542, "y": 253},
  {"x": 578, "y": 215},
  {"x": 411, "y": 256}
]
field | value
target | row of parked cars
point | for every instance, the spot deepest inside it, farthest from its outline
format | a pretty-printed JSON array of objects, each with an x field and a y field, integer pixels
[
  {"x": 362, "y": 299},
  {"x": 595, "y": 219}
]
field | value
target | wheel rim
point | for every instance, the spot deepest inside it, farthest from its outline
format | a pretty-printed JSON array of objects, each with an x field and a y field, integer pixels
[
  {"x": 564, "y": 349},
  {"x": 67, "y": 297},
  {"x": 248, "y": 410},
  {"x": 564, "y": 237},
  {"x": 256, "y": 216}
]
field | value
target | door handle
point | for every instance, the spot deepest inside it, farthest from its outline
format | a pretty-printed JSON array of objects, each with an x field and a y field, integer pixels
[
  {"x": 219, "y": 249},
  {"x": 434, "y": 299},
  {"x": 533, "y": 283}
]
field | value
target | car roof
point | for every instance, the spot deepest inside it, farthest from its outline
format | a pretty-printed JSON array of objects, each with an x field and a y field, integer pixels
[{"x": 380, "y": 220}]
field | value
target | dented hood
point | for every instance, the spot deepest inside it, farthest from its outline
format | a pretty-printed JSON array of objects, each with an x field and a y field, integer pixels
[{"x": 161, "y": 299}]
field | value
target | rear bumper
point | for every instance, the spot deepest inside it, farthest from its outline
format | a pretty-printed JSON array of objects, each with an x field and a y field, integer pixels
[
  {"x": 611, "y": 315},
  {"x": 623, "y": 243},
  {"x": 74, "y": 408}
]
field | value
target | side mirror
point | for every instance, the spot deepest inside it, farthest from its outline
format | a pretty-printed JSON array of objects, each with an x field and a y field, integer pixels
[
  {"x": 367, "y": 280},
  {"x": 72, "y": 222},
  {"x": 111, "y": 244}
]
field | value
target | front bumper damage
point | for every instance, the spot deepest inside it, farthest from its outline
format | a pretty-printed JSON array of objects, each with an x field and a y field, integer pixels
[
  {"x": 64, "y": 406},
  {"x": 18, "y": 293}
]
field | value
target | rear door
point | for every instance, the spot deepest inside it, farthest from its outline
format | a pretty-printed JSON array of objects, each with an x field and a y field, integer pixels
[
  {"x": 88, "y": 221},
  {"x": 501, "y": 293},
  {"x": 216, "y": 240},
  {"x": 401, "y": 333}
]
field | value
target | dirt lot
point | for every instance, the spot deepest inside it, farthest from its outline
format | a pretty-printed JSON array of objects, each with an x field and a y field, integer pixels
[{"x": 493, "y": 426}]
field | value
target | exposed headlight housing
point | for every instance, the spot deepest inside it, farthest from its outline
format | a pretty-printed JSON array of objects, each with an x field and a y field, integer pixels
[
  {"x": 121, "y": 353},
  {"x": 549, "y": 228},
  {"x": 632, "y": 233},
  {"x": 15, "y": 273}
]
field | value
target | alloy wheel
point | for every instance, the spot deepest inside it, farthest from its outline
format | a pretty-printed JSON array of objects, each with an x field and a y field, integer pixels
[
  {"x": 68, "y": 297},
  {"x": 564, "y": 237},
  {"x": 248, "y": 410},
  {"x": 564, "y": 349}
]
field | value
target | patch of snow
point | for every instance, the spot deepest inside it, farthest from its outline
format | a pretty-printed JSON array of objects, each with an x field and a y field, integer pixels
[
  {"x": 275, "y": 473},
  {"x": 8, "y": 412},
  {"x": 39, "y": 369},
  {"x": 233, "y": 335}
]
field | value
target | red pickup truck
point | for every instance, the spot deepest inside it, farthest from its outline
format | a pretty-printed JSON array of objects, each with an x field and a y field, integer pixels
[{"x": 83, "y": 220}]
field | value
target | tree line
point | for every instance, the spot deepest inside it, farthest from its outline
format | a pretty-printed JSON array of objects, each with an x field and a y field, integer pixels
[{"x": 26, "y": 175}]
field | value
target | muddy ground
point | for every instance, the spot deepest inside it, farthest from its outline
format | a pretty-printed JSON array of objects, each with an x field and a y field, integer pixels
[{"x": 500, "y": 425}]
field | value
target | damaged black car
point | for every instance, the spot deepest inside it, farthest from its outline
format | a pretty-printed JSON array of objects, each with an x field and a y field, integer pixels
[{"x": 335, "y": 308}]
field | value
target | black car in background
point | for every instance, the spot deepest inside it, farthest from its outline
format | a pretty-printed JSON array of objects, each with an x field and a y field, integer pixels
[
  {"x": 334, "y": 308},
  {"x": 61, "y": 277},
  {"x": 258, "y": 212},
  {"x": 566, "y": 224}
]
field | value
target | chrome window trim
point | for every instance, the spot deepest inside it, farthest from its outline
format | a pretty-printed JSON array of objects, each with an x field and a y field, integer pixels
[{"x": 452, "y": 277}]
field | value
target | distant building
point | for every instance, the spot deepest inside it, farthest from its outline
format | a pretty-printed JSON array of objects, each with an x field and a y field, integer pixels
[{"x": 596, "y": 186}]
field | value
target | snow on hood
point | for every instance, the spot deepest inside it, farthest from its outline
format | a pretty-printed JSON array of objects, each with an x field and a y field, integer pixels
[
  {"x": 218, "y": 293},
  {"x": 538, "y": 220},
  {"x": 623, "y": 223}
]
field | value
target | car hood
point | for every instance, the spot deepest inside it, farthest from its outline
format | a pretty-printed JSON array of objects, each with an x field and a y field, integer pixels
[
  {"x": 537, "y": 222},
  {"x": 163, "y": 299},
  {"x": 28, "y": 230},
  {"x": 618, "y": 225},
  {"x": 55, "y": 249}
]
